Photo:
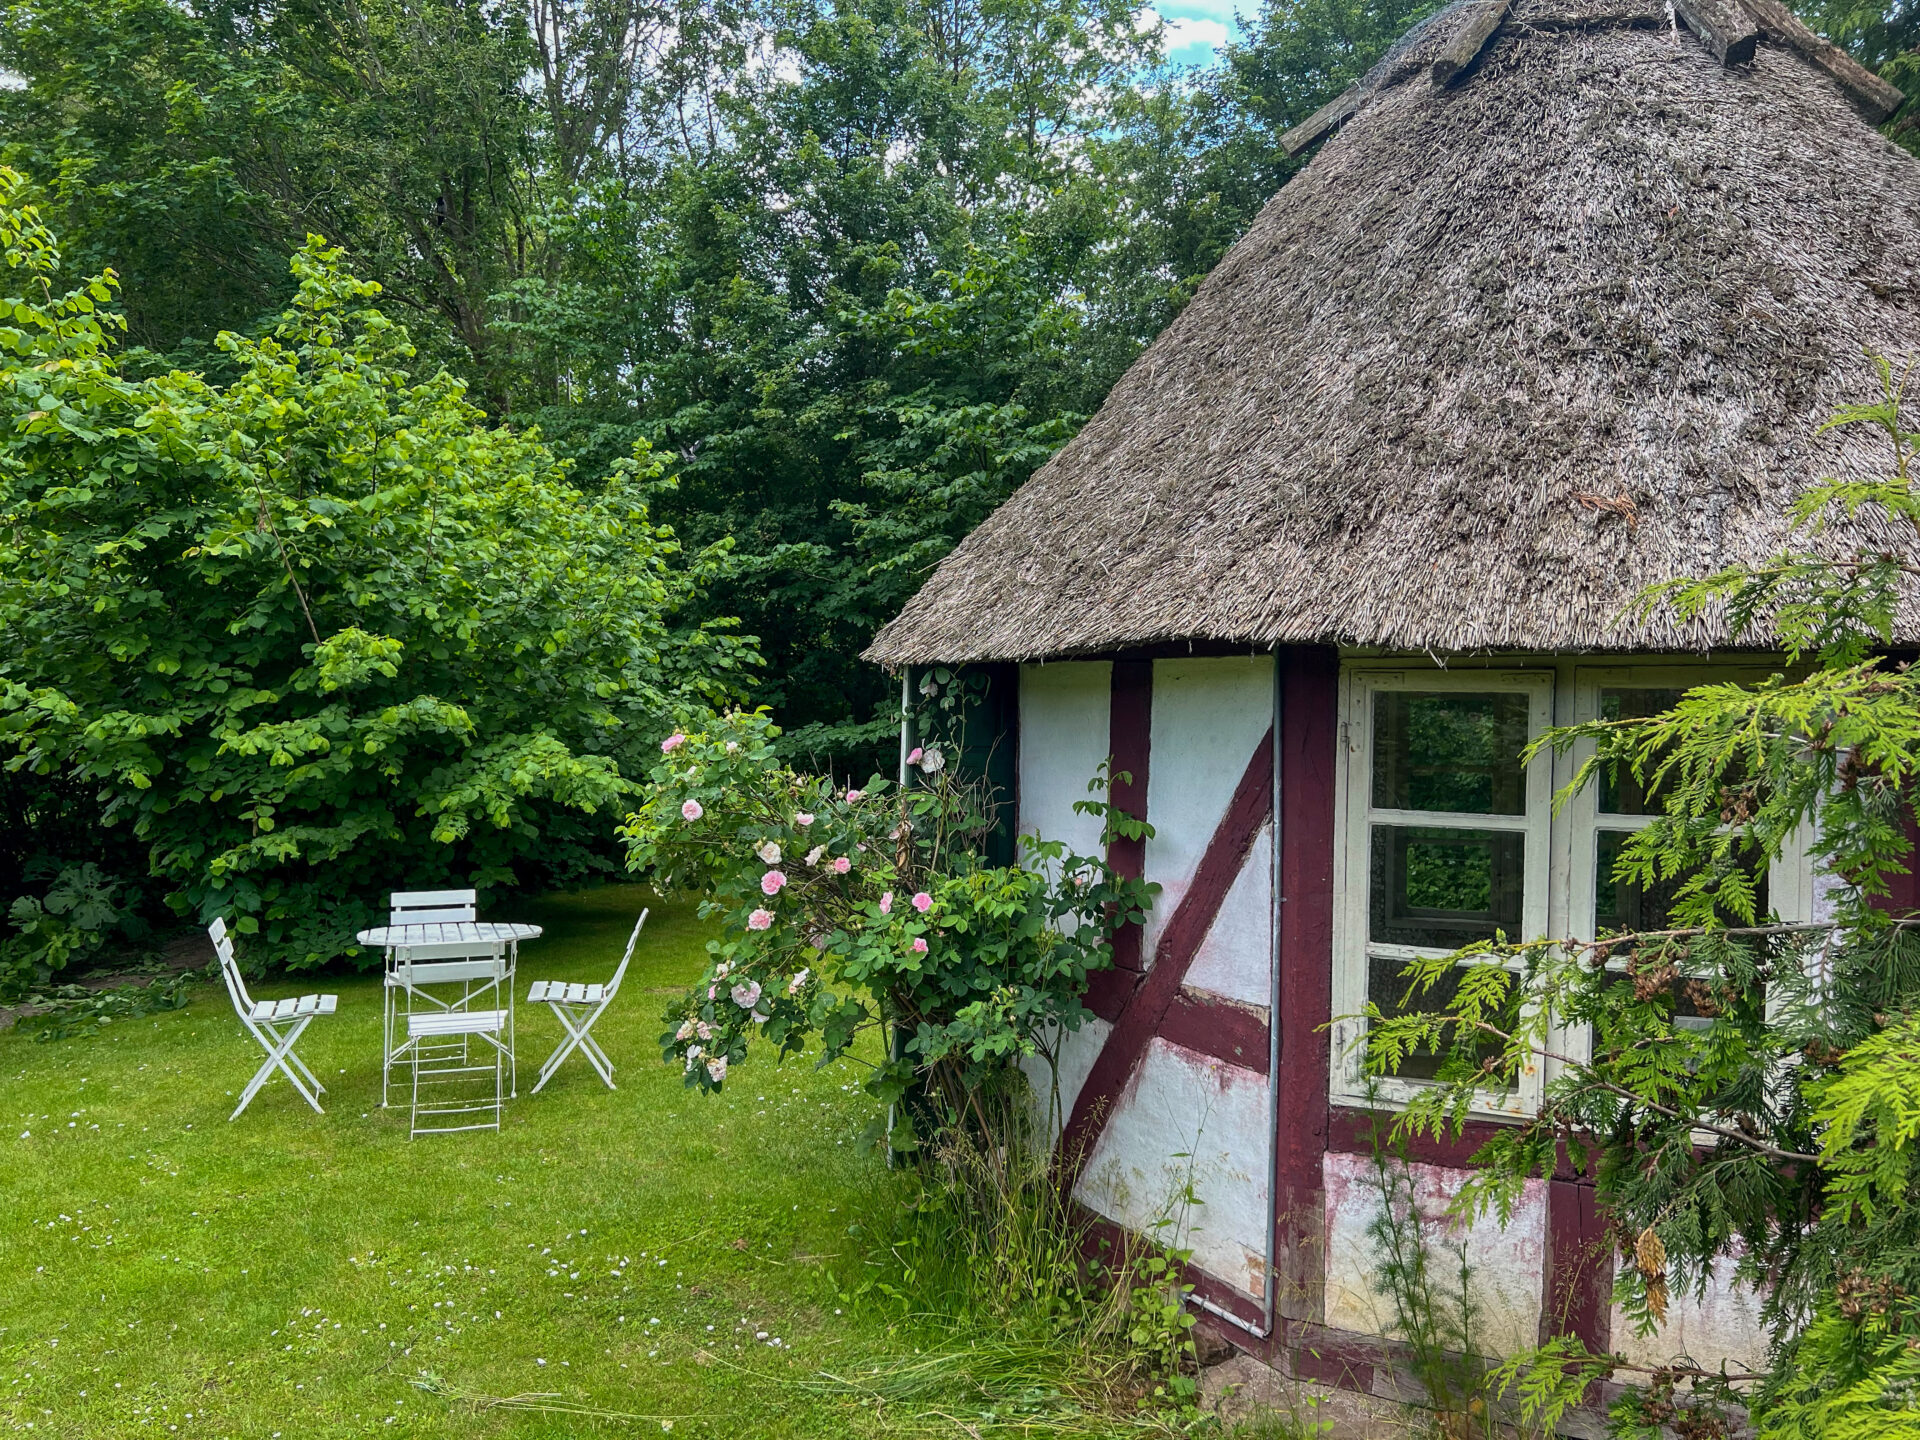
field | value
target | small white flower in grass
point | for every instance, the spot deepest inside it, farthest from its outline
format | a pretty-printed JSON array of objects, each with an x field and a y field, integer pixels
[
  {"x": 746, "y": 996},
  {"x": 769, "y": 852},
  {"x": 691, "y": 810},
  {"x": 758, "y": 920}
]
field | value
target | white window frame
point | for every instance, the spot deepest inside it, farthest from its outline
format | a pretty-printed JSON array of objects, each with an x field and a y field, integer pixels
[{"x": 1353, "y": 948}]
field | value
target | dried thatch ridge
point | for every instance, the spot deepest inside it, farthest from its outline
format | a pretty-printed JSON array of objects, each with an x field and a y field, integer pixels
[{"x": 1502, "y": 354}]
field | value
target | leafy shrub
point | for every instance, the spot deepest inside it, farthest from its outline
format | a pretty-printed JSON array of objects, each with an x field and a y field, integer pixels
[
  {"x": 67, "y": 926},
  {"x": 849, "y": 910},
  {"x": 317, "y": 633}
]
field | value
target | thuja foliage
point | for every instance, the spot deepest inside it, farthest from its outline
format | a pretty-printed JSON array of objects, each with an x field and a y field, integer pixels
[
  {"x": 1743, "y": 1090},
  {"x": 316, "y": 633},
  {"x": 850, "y": 910}
]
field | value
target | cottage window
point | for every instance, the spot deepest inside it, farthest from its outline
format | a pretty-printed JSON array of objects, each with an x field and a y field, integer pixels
[
  {"x": 1605, "y": 815},
  {"x": 1447, "y": 833},
  {"x": 1448, "y": 838}
]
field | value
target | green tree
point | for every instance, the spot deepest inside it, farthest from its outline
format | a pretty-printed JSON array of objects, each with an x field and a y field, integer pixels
[{"x": 318, "y": 633}]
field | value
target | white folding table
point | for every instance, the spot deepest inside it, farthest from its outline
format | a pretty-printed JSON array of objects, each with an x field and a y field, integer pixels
[{"x": 453, "y": 952}]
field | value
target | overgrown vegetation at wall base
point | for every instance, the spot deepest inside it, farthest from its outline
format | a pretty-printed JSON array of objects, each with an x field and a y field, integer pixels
[
  {"x": 1742, "y": 1089},
  {"x": 318, "y": 632}
]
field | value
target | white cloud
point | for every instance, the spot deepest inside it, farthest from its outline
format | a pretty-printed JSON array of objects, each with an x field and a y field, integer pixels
[{"x": 1184, "y": 31}]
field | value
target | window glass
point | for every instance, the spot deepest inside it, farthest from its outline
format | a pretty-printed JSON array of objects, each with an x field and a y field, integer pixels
[
  {"x": 1620, "y": 792},
  {"x": 1620, "y": 905},
  {"x": 1450, "y": 750},
  {"x": 1626, "y": 905},
  {"x": 1445, "y": 888},
  {"x": 1388, "y": 989}
]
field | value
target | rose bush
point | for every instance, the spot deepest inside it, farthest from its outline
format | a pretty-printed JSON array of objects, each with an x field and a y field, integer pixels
[{"x": 844, "y": 910}]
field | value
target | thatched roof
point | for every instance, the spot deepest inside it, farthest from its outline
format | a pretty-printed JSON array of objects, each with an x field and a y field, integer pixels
[{"x": 1520, "y": 340}]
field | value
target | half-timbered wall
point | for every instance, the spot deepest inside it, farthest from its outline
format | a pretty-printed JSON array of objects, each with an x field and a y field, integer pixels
[{"x": 1181, "y": 1085}]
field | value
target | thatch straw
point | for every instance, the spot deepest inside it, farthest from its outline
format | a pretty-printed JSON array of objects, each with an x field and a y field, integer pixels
[{"x": 1506, "y": 351}]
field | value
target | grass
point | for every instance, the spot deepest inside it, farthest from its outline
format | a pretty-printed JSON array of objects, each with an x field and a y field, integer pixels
[{"x": 636, "y": 1252}]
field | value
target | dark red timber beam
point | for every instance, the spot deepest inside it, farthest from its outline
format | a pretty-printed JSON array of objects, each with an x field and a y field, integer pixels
[
  {"x": 1579, "y": 1282},
  {"x": 1309, "y": 706},
  {"x": 1130, "y": 743},
  {"x": 1234, "y": 1033},
  {"x": 1140, "y": 1019}
]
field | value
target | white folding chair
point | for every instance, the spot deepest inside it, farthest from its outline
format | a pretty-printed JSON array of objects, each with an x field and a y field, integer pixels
[
  {"x": 577, "y": 1007},
  {"x": 276, "y": 1024},
  {"x": 471, "y": 967},
  {"x": 437, "y": 1045}
]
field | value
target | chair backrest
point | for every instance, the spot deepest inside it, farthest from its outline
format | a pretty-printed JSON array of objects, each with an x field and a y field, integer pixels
[
  {"x": 431, "y": 907},
  {"x": 613, "y": 985},
  {"x": 230, "y": 967}
]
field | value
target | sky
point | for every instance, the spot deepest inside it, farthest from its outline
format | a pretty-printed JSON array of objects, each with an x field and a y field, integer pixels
[{"x": 1197, "y": 28}]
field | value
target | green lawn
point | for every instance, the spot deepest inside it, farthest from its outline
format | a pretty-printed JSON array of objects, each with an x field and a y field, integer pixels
[{"x": 165, "y": 1272}]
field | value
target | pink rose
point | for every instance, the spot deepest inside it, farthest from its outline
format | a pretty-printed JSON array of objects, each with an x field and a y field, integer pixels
[
  {"x": 855, "y": 795},
  {"x": 842, "y": 865},
  {"x": 691, "y": 810},
  {"x": 886, "y": 903},
  {"x": 913, "y": 758},
  {"x": 672, "y": 743},
  {"x": 717, "y": 1068},
  {"x": 919, "y": 944},
  {"x": 803, "y": 820},
  {"x": 758, "y": 920},
  {"x": 771, "y": 882},
  {"x": 923, "y": 902},
  {"x": 794, "y": 985},
  {"x": 746, "y": 996}
]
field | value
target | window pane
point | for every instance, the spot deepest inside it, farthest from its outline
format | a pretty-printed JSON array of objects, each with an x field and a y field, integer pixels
[
  {"x": 1387, "y": 989},
  {"x": 1449, "y": 750},
  {"x": 1444, "y": 888},
  {"x": 1626, "y": 905},
  {"x": 1621, "y": 794}
]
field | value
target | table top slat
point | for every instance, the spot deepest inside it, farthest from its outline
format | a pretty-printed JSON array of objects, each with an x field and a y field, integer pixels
[{"x": 451, "y": 932}]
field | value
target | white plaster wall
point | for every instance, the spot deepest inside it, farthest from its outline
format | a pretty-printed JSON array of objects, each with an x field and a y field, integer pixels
[
  {"x": 1077, "y": 1053},
  {"x": 1235, "y": 961},
  {"x": 1065, "y": 711},
  {"x": 1183, "y": 1112},
  {"x": 1508, "y": 1263},
  {"x": 1721, "y": 1325},
  {"x": 1208, "y": 714}
]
